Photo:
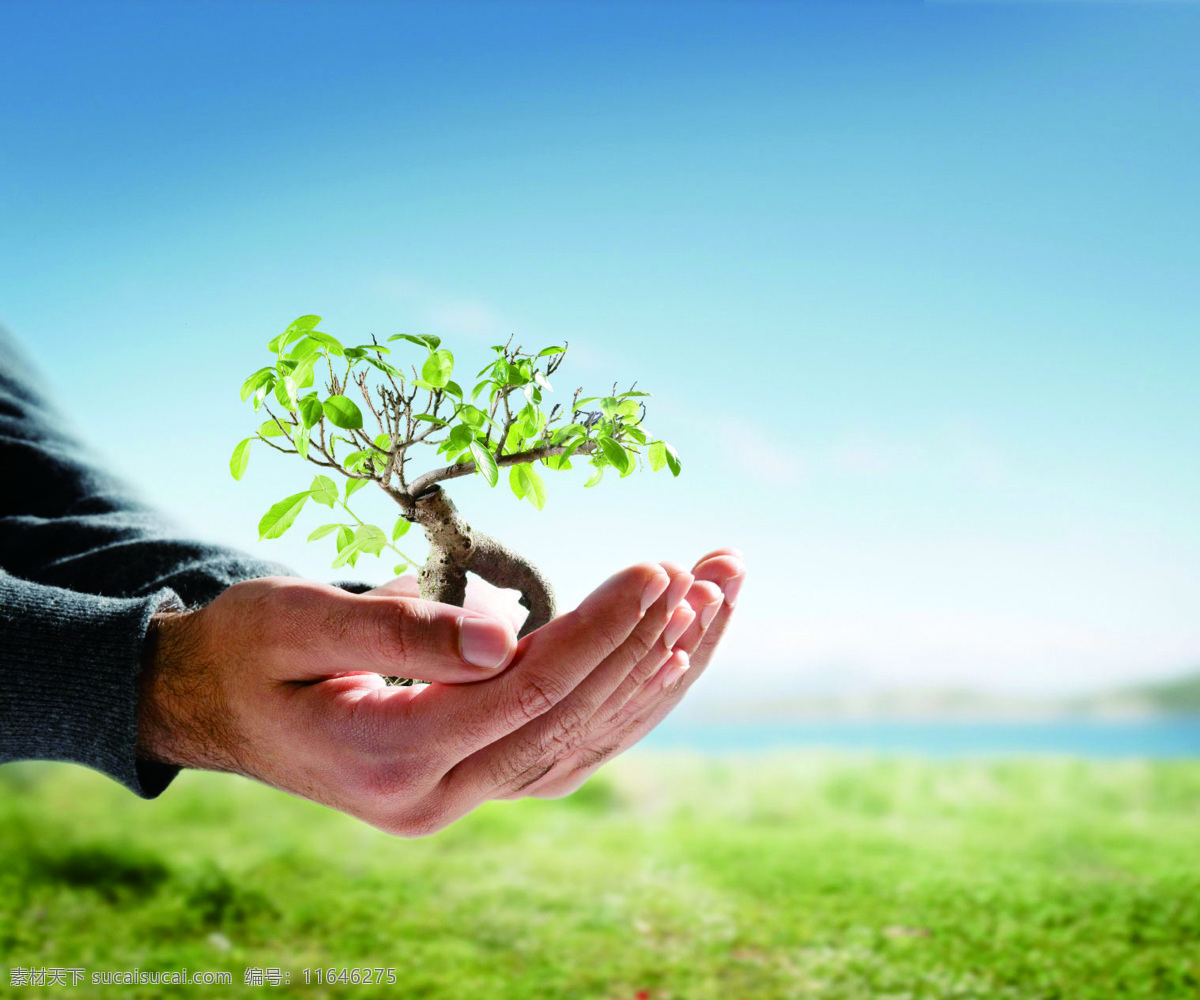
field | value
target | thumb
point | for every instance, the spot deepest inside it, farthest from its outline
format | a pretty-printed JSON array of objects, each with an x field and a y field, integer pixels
[{"x": 409, "y": 637}]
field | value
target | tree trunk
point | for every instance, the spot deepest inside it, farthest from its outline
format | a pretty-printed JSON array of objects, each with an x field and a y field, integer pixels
[{"x": 455, "y": 548}]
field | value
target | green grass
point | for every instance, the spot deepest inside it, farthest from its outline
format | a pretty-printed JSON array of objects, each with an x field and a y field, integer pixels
[{"x": 782, "y": 876}]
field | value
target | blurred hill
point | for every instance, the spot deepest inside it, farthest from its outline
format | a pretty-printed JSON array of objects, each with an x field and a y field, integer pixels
[
  {"x": 1180, "y": 696},
  {"x": 1172, "y": 697}
]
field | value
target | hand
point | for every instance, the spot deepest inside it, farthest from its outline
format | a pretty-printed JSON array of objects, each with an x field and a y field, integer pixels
[
  {"x": 710, "y": 602},
  {"x": 645, "y": 698},
  {"x": 282, "y": 680}
]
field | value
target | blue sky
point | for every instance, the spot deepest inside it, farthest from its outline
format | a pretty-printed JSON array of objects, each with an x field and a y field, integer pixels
[{"x": 914, "y": 286}]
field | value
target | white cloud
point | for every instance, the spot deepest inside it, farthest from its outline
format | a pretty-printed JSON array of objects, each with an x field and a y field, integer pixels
[{"x": 750, "y": 447}]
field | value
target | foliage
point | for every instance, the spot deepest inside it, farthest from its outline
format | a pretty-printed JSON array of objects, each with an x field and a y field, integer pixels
[
  {"x": 505, "y": 420},
  {"x": 798, "y": 875}
]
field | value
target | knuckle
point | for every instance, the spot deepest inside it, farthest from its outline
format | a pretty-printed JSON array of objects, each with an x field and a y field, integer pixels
[
  {"x": 534, "y": 698},
  {"x": 286, "y": 613},
  {"x": 597, "y": 756},
  {"x": 419, "y": 820},
  {"x": 392, "y": 634},
  {"x": 569, "y": 731},
  {"x": 532, "y": 777},
  {"x": 386, "y": 781}
]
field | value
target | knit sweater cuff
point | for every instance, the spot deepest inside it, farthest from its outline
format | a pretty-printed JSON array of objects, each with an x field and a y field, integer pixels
[{"x": 69, "y": 669}]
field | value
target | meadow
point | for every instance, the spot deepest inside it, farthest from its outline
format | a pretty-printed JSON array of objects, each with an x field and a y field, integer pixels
[{"x": 669, "y": 876}]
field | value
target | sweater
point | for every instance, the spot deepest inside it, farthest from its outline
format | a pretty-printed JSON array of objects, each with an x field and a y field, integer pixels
[{"x": 84, "y": 564}]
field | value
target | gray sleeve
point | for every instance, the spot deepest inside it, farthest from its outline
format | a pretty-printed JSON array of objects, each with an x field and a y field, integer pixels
[
  {"x": 83, "y": 565},
  {"x": 69, "y": 666}
]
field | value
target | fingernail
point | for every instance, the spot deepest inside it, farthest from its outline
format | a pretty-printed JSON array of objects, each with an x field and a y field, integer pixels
[
  {"x": 675, "y": 674},
  {"x": 654, "y": 590},
  {"x": 733, "y": 587},
  {"x": 709, "y": 612},
  {"x": 677, "y": 626},
  {"x": 680, "y": 585},
  {"x": 484, "y": 642}
]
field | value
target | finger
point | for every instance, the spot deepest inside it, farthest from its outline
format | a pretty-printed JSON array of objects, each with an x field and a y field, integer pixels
[
  {"x": 567, "y": 775},
  {"x": 679, "y": 623},
  {"x": 337, "y": 632},
  {"x": 455, "y": 722},
  {"x": 526, "y": 754},
  {"x": 721, "y": 570}
]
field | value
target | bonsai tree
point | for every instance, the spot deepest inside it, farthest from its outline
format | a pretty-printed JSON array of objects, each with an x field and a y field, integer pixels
[{"x": 426, "y": 430}]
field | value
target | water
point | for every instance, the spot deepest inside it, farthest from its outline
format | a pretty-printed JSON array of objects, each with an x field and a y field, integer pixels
[{"x": 1158, "y": 738}]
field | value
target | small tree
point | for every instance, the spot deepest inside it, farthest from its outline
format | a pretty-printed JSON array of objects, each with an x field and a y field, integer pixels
[{"x": 419, "y": 411}]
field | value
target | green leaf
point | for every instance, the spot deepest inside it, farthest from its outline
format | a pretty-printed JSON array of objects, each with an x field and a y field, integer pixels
[
  {"x": 311, "y": 410},
  {"x": 460, "y": 437},
  {"x": 609, "y": 406},
  {"x": 303, "y": 324},
  {"x": 479, "y": 387},
  {"x": 437, "y": 368},
  {"x": 673, "y": 459},
  {"x": 401, "y": 528},
  {"x": 303, "y": 348},
  {"x": 427, "y": 340},
  {"x": 485, "y": 464},
  {"x": 544, "y": 382},
  {"x": 437, "y": 421},
  {"x": 596, "y": 476},
  {"x": 298, "y": 328},
  {"x": 261, "y": 393},
  {"x": 657, "y": 455},
  {"x": 300, "y": 440},
  {"x": 303, "y": 373},
  {"x": 383, "y": 366},
  {"x": 259, "y": 378},
  {"x": 347, "y": 554},
  {"x": 272, "y": 429},
  {"x": 343, "y": 412},
  {"x": 536, "y": 492},
  {"x": 285, "y": 392},
  {"x": 324, "y": 530},
  {"x": 399, "y": 568},
  {"x": 472, "y": 416},
  {"x": 631, "y": 392},
  {"x": 615, "y": 454},
  {"x": 240, "y": 458},
  {"x": 345, "y": 536},
  {"x": 545, "y": 352},
  {"x": 354, "y": 485},
  {"x": 280, "y": 517},
  {"x": 356, "y": 459},
  {"x": 370, "y": 538},
  {"x": 324, "y": 490},
  {"x": 517, "y": 482},
  {"x": 334, "y": 345},
  {"x": 454, "y": 389}
]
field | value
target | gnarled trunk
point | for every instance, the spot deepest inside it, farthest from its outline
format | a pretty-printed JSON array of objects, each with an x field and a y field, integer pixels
[{"x": 455, "y": 548}]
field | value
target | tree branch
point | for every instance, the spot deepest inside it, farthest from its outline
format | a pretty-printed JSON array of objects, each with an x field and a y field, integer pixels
[{"x": 423, "y": 482}]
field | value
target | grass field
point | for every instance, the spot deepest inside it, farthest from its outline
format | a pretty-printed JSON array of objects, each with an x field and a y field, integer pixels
[{"x": 666, "y": 877}]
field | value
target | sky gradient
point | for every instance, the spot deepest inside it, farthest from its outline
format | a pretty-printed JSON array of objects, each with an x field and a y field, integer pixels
[{"x": 914, "y": 287}]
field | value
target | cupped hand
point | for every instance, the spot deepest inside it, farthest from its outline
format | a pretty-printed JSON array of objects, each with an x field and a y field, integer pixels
[{"x": 282, "y": 680}]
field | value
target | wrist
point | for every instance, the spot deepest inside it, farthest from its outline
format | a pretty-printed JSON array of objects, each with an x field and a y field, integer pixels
[{"x": 179, "y": 715}]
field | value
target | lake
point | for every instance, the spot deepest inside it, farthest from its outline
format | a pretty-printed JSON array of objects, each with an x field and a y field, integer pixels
[{"x": 1158, "y": 738}]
